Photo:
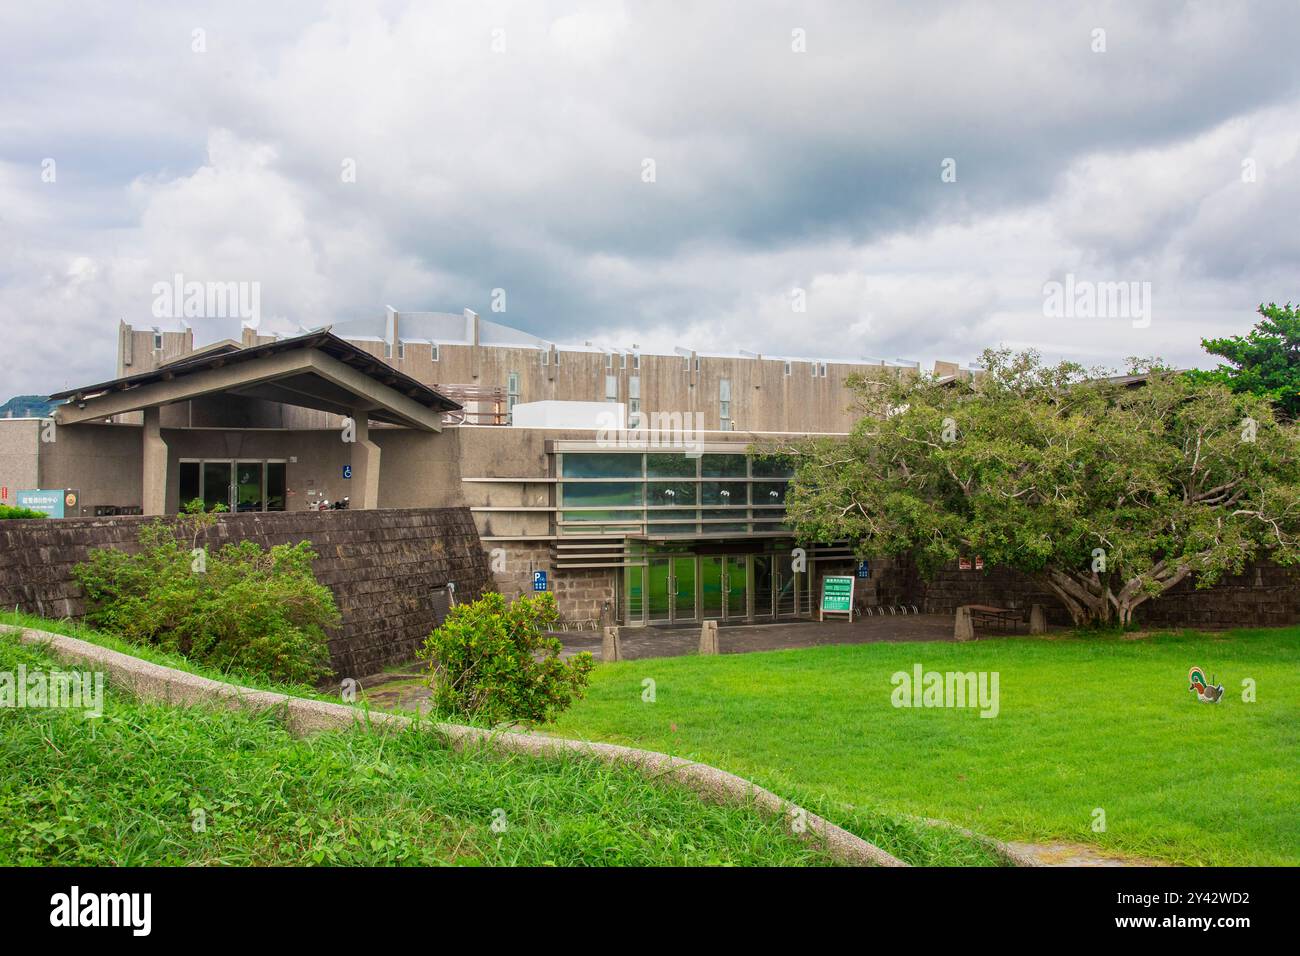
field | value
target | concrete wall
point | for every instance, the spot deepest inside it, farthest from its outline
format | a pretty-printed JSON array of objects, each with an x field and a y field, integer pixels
[
  {"x": 19, "y": 456},
  {"x": 763, "y": 396},
  {"x": 388, "y": 569},
  {"x": 104, "y": 462}
]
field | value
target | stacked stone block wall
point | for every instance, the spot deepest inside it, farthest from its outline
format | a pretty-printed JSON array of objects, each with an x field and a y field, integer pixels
[{"x": 388, "y": 569}]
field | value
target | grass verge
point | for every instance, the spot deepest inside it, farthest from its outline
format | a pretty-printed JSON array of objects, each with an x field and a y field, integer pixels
[{"x": 131, "y": 788}]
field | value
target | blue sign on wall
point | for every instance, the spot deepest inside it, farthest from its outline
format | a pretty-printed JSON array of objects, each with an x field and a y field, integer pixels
[
  {"x": 48, "y": 502},
  {"x": 539, "y": 580},
  {"x": 864, "y": 569},
  {"x": 347, "y": 471}
]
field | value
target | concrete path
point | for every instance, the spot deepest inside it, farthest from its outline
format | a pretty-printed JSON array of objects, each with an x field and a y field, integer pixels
[
  {"x": 643, "y": 642},
  {"x": 1076, "y": 854}
]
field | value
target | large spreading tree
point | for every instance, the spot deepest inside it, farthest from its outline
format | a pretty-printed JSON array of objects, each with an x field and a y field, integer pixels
[
  {"x": 1265, "y": 361},
  {"x": 1108, "y": 492}
]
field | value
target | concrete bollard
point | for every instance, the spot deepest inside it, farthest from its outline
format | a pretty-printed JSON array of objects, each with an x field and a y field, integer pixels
[
  {"x": 611, "y": 648},
  {"x": 709, "y": 637},
  {"x": 965, "y": 627},
  {"x": 1037, "y": 619}
]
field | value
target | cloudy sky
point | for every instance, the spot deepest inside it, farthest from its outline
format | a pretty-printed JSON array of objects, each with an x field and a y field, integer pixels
[{"x": 913, "y": 174}]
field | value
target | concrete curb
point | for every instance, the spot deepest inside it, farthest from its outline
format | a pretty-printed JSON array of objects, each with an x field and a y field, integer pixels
[{"x": 303, "y": 716}]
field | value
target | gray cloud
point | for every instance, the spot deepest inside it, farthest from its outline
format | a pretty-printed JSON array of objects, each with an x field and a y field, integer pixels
[{"x": 521, "y": 170}]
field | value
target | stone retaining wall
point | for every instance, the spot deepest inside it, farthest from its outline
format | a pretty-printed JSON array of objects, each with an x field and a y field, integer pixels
[
  {"x": 1265, "y": 596},
  {"x": 388, "y": 569}
]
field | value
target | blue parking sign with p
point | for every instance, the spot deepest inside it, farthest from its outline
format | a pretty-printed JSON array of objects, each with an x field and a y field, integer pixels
[{"x": 539, "y": 580}]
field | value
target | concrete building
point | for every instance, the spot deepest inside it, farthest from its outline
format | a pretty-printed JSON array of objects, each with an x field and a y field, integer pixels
[{"x": 617, "y": 478}]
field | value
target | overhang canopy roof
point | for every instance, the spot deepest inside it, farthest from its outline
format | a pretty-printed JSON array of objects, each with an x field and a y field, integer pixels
[{"x": 318, "y": 370}]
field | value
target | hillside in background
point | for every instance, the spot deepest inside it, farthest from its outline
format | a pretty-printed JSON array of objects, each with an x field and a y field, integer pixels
[{"x": 27, "y": 406}]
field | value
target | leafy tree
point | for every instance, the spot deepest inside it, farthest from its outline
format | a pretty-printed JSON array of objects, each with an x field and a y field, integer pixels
[
  {"x": 494, "y": 661},
  {"x": 1108, "y": 495},
  {"x": 1265, "y": 361}
]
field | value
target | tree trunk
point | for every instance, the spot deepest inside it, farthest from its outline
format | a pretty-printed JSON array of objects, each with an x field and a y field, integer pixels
[{"x": 1085, "y": 597}]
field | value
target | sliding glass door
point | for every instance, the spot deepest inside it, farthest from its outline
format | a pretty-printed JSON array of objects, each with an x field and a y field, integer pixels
[{"x": 235, "y": 485}]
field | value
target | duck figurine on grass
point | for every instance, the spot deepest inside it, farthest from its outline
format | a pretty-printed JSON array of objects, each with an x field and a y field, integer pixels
[{"x": 1206, "y": 692}]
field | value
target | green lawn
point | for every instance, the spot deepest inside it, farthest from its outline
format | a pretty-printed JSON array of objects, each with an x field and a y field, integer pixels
[
  {"x": 1084, "y": 723},
  {"x": 350, "y": 798},
  {"x": 125, "y": 788}
]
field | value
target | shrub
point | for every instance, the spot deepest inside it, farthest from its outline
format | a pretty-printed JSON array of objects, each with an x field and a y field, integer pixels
[
  {"x": 260, "y": 611},
  {"x": 9, "y": 511},
  {"x": 493, "y": 661}
]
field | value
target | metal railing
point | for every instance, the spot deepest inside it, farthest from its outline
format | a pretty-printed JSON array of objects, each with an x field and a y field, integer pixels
[{"x": 482, "y": 405}]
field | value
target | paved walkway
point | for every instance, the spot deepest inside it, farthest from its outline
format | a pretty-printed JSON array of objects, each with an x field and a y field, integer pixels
[
  {"x": 642, "y": 642},
  {"x": 1078, "y": 854}
]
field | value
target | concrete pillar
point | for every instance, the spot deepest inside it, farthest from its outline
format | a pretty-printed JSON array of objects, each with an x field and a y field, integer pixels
[
  {"x": 611, "y": 648},
  {"x": 709, "y": 637},
  {"x": 364, "y": 492},
  {"x": 1037, "y": 619},
  {"x": 965, "y": 627},
  {"x": 153, "y": 485}
]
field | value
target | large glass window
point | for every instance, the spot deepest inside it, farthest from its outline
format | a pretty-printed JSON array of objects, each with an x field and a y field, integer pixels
[
  {"x": 679, "y": 495},
  {"x": 772, "y": 468},
  {"x": 669, "y": 466},
  {"x": 602, "y": 465},
  {"x": 591, "y": 494},
  {"x": 723, "y": 466}
]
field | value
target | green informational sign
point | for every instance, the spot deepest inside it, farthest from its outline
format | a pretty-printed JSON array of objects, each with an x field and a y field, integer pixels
[
  {"x": 837, "y": 594},
  {"x": 46, "y": 501}
]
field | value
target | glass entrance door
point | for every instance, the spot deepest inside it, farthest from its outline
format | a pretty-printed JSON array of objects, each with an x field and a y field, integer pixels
[
  {"x": 737, "y": 581},
  {"x": 762, "y": 585},
  {"x": 787, "y": 593},
  {"x": 217, "y": 482},
  {"x": 248, "y": 486},
  {"x": 712, "y": 582},
  {"x": 659, "y": 609},
  {"x": 683, "y": 589}
]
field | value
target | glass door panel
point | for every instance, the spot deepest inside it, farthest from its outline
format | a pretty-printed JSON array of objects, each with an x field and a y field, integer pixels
[
  {"x": 683, "y": 588},
  {"x": 275, "y": 485},
  {"x": 737, "y": 587},
  {"x": 248, "y": 486},
  {"x": 190, "y": 474},
  {"x": 711, "y": 584},
  {"x": 635, "y": 603},
  {"x": 762, "y": 585},
  {"x": 216, "y": 484},
  {"x": 658, "y": 577},
  {"x": 787, "y": 593}
]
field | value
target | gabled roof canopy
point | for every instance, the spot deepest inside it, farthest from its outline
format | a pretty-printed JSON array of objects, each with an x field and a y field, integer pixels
[{"x": 318, "y": 370}]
